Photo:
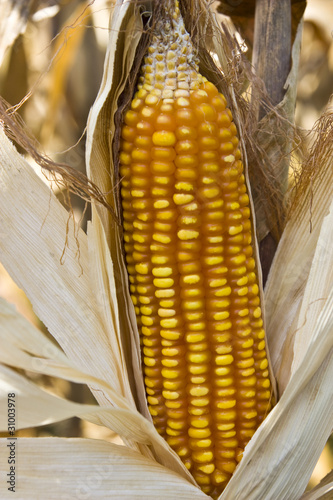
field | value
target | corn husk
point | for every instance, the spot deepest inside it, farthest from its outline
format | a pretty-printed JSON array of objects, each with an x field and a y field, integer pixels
[{"x": 91, "y": 468}]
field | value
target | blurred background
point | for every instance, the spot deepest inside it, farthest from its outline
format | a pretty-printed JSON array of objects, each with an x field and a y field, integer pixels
[{"x": 57, "y": 61}]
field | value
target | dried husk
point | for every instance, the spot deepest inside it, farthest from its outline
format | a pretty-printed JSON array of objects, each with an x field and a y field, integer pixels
[
  {"x": 91, "y": 468},
  {"x": 296, "y": 291}
]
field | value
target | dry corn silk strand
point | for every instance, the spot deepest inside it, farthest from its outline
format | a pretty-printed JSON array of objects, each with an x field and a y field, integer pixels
[{"x": 188, "y": 241}]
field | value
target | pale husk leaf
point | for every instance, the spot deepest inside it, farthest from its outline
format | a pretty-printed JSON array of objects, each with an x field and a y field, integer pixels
[
  {"x": 26, "y": 347},
  {"x": 125, "y": 33},
  {"x": 35, "y": 229},
  {"x": 318, "y": 287},
  {"x": 86, "y": 468},
  {"x": 288, "y": 316}
]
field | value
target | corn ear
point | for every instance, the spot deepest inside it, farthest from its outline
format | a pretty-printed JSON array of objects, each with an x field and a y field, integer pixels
[{"x": 188, "y": 239}]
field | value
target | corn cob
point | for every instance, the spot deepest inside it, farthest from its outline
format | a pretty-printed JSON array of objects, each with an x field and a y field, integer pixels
[{"x": 189, "y": 254}]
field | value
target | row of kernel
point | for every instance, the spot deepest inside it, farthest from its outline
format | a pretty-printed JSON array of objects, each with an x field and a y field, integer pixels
[
  {"x": 217, "y": 307},
  {"x": 192, "y": 294},
  {"x": 243, "y": 342},
  {"x": 236, "y": 215},
  {"x": 138, "y": 130},
  {"x": 260, "y": 355},
  {"x": 166, "y": 284}
]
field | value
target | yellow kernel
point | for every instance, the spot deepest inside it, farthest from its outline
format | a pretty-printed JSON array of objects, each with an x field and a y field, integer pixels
[
  {"x": 207, "y": 469},
  {"x": 164, "y": 138},
  {"x": 261, "y": 345},
  {"x": 221, "y": 315},
  {"x": 191, "y": 279},
  {"x": 225, "y": 405},
  {"x": 249, "y": 382},
  {"x": 223, "y": 349},
  {"x": 168, "y": 373},
  {"x": 266, "y": 384},
  {"x": 149, "y": 362},
  {"x": 221, "y": 327},
  {"x": 201, "y": 357},
  {"x": 187, "y": 219},
  {"x": 243, "y": 291},
  {"x": 166, "y": 313},
  {"x": 198, "y": 369},
  {"x": 162, "y": 272},
  {"x": 172, "y": 432},
  {"x": 202, "y": 456},
  {"x": 199, "y": 433},
  {"x": 182, "y": 198},
  {"x": 224, "y": 360},
  {"x": 261, "y": 334},
  {"x": 161, "y": 294},
  {"x": 225, "y": 427},
  {"x": 238, "y": 260},
  {"x": 210, "y": 192},
  {"x": 199, "y": 391},
  {"x": 153, "y": 401},
  {"x": 223, "y": 292},
  {"x": 184, "y": 186},
  {"x": 151, "y": 100},
  {"x": 170, "y": 335},
  {"x": 169, "y": 323},
  {"x": 233, "y": 230},
  {"x": 167, "y": 304},
  {"x": 182, "y": 102},
  {"x": 192, "y": 316},
  {"x": 146, "y": 310},
  {"x": 251, "y": 414},
  {"x": 215, "y": 239},
  {"x": 213, "y": 261},
  {"x": 229, "y": 158},
  {"x": 161, "y": 238},
  {"x": 170, "y": 363},
  {"x": 220, "y": 477},
  {"x": 243, "y": 312},
  {"x": 195, "y": 337},
  {"x": 163, "y": 282},
  {"x": 125, "y": 158},
  {"x": 229, "y": 467},
  {"x": 147, "y": 321},
  {"x": 142, "y": 268},
  {"x": 245, "y": 363},
  {"x": 222, "y": 371},
  {"x": 263, "y": 365},
  {"x": 159, "y": 259},
  {"x": 187, "y": 234},
  {"x": 217, "y": 283},
  {"x": 159, "y": 204},
  {"x": 242, "y": 281},
  {"x": 176, "y": 424}
]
